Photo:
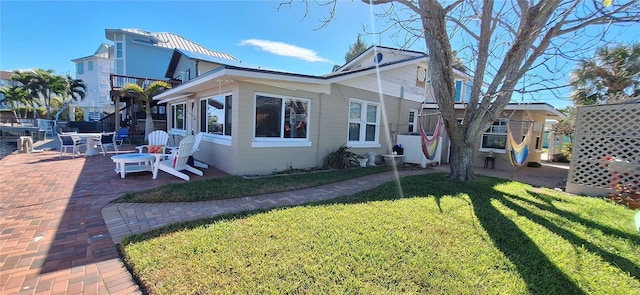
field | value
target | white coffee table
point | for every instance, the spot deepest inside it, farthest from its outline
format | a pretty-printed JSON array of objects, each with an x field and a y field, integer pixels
[{"x": 137, "y": 163}]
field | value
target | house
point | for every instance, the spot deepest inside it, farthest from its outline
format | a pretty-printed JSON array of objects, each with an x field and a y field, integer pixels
[
  {"x": 519, "y": 117},
  {"x": 258, "y": 121},
  {"x": 135, "y": 56},
  {"x": 94, "y": 71}
]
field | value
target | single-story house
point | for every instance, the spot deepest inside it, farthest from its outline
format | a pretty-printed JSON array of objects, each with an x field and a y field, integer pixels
[{"x": 259, "y": 121}]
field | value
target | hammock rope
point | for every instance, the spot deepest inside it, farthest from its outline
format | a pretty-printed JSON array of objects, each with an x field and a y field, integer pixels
[
  {"x": 518, "y": 152},
  {"x": 430, "y": 144}
]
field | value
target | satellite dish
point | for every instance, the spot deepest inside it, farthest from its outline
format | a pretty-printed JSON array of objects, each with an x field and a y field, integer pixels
[{"x": 422, "y": 74}]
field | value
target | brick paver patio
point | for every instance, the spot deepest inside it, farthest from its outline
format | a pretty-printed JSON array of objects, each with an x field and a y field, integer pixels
[{"x": 58, "y": 230}]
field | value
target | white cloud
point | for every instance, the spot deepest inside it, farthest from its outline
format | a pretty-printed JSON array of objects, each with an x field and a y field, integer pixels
[{"x": 284, "y": 49}]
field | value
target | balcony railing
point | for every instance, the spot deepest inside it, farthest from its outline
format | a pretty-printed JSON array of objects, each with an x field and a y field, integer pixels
[{"x": 118, "y": 81}]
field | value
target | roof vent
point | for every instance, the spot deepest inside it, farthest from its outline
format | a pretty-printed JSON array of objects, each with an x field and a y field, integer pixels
[{"x": 378, "y": 58}]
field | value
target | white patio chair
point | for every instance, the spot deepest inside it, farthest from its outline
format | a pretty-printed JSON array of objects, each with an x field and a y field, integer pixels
[
  {"x": 196, "y": 144},
  {"x": 177, "y": 162},
  {"x": 70, "y": 141},
  {"x": 106, "y": 140},
  {"x": 157, "y": 143}
]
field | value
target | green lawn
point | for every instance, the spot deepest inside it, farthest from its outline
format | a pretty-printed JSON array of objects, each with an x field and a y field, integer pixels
[{"x": 426, "y": 236}]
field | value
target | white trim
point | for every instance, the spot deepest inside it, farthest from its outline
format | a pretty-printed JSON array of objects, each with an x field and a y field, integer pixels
[
  {"x": 224, "y": 102},
  {"x": 280, "y": 143},
  {"x": 281, "y": 139},
  {"x": 217, "y": 139},
  {"x": 495, "y": 151},
  {"x": 166, "y": 100},
  {"x": 362, "y": 142},
  {"x": 178, "y": 132},
  {"x": 357, "y": 145}
]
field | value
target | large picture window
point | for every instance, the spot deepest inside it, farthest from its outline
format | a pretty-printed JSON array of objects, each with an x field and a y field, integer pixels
[
  {"x": 215, "y": 115},
  {"x": 496, "y": 136},
  {"x": 281, "y": 118},
  {"x": 178, "y": 116},
  {"x": 364, "y": 123}
]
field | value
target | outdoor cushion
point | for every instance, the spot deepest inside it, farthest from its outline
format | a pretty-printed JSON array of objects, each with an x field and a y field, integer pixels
[{"x": 156, "y": 148}]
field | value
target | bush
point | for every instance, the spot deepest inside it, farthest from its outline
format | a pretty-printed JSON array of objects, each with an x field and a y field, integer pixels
[{"x": 341, "y": 159}]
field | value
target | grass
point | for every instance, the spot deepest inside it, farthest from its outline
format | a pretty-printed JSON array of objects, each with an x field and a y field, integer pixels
[
  {"x": 427, "y": 236},
  {"x": 238, "y": 186}
]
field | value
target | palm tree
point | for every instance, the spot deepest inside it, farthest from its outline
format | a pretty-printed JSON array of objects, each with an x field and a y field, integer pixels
[
  {"x": 15, "y": 96},
  {"x": 74, "y": 91},
  {"x": 47, "y": 85},
  {"x": 146, "y": 95},
  {"x": 31, "y": 99},
  {"x": 613, "y": 74}
]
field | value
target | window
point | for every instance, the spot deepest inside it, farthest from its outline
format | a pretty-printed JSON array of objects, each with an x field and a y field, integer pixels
[
  {"x": 80, "y": 68},
  {"x": 90, "y": 66},
  {"x": 119, "y": 50},
  {"x": 177, "y": 114},
  {"x": 281, "y": 118},
  {"x": 458, "y": 91},
  {"x": 215, "y": 115},
  {"x": 467, "y": 94},
  {"x": 364, "y": 122},
  {"x": 413, "y": 118},
  {"x": 496, "y": 136}
]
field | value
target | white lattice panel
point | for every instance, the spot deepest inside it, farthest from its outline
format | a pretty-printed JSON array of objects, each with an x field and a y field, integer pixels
[{"x": 606, "y": 148}]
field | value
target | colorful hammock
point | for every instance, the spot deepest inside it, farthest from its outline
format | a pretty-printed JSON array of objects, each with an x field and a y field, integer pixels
[
  {"x": 518, "y": 152},
  {"x": 430, "y": 145}
]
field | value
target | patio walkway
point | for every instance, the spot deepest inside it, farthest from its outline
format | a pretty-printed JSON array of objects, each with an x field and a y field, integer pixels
[{"x": 58, "y": 229}]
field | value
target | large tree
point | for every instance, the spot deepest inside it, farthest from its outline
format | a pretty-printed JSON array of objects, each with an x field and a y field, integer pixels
[
  {"x": 146, "y": 96},
  {"x": 612, "y": 75},
  {"x": 505, "y": 39}
]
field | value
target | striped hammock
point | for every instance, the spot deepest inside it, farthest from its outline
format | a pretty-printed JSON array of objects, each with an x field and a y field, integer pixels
[
  {"x": 518, "y": 153},
  {"x": 430, "y": 144}
]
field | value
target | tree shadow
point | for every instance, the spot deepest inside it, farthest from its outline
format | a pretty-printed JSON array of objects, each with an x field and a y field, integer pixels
[
  {"x": 575, "y": 218},
  {"x": 623, "y": 263},
  {"x": 533, "y": 265}
]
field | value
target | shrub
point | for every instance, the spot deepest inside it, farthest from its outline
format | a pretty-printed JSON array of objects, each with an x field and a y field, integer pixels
[{"x": 341, "y": 159}]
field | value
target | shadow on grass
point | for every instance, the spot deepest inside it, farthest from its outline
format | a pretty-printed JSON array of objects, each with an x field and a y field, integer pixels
[
  {"x": 623, "y": 263},
  {"x": 574, "y": 217},
  {"x": 540, "y": 274}
]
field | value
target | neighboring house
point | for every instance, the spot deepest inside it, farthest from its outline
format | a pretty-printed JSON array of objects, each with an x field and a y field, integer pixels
[
  {"x": 135, "y": 55},
  {"x": 258, "y": 121},
  {"x": 94, "y": 70},
  {"x": 5, "y": 81}
]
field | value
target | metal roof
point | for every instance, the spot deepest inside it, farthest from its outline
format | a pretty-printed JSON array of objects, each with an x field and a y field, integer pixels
[{"x": 172, "y": 41}]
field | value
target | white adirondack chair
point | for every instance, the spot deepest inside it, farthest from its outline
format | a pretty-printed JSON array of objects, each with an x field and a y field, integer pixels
[
  {"x": 177, "y": 162},
  {"x": 157, "y": 142}
]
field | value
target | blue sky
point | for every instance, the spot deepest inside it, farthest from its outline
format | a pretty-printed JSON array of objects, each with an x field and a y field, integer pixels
[{"x": 49, "y": 34}]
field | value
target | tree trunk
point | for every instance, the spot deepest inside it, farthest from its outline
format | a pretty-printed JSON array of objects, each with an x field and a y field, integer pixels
[
  {"x": 461, "y": 161},
  {"x": 148, "y": 122}
]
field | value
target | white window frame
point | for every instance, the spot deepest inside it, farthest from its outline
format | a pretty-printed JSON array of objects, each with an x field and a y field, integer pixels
[
  {"x": 222, "y": 139},
  {"x": 281, "y": 141},
  {"x": 411, "y": 128},
  {"x": 495, "y": 130},
  {"x": 174, "y": 130},
  {"x": 363, "y": 122}
]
